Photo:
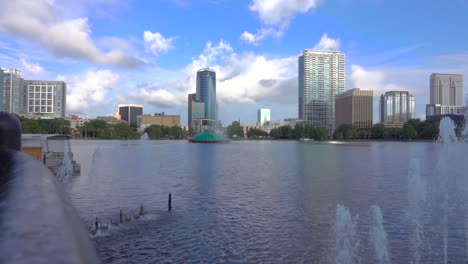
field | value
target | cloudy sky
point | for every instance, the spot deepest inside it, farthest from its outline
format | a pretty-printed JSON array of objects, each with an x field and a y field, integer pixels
[{"x": 147, "y": 52}]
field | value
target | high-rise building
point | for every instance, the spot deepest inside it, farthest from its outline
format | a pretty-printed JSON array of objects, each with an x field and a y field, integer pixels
[
  {"x": 1, "y": 89},
  {"x": 321, "y": 78},
  {"x": 263, "y": 116},
  {"x": 446, "y": 96},
  {"x": 130, "y": 112},
  {"x": 447, "y": 89},
  {"x": 206, "y": 92},
  {"x": 44, "y": 98},
  {"x": 191, "y": 97},
  {"x": 396, "y": 107},
  {"x": 354, "y": 107},
  {"x": 12, "y": 81}
]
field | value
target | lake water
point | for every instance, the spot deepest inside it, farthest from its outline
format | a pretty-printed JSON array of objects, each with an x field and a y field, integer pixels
[{"x": 273, "y": 201}]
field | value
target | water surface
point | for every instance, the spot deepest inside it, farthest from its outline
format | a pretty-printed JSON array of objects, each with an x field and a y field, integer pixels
[{"x": 257, "y": 201}]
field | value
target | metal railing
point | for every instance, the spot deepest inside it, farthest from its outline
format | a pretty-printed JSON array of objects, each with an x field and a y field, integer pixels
[{"x": 38, "y": 223}]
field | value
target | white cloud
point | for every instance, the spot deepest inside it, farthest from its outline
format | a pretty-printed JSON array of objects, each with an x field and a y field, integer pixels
[
  {"x": 374, "y": 80},
  {"x": 241, "y": 78},
  {"x": 327, "y": 43},
  {"x": 90, "y": 90},
  {"x": 31, "y": 67},
  {"x": 280, "y": 12},
  {"x": 41, "y": 22},
  {"x": 156, "y": 43},
  {"x": 261, "y": 34},
  {"x": 276, "y": 15}
]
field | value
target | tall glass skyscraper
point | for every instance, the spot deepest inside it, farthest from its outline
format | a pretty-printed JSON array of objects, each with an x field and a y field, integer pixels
[
  {"x": 321, "y": 77},
  {"x": 396, "y": 107},
  {"x": 206, "y": 92},
  {"x": 12, "y": 95}
]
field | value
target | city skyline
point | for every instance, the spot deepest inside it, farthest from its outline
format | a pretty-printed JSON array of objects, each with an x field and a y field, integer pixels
[{"x": 153, "y": 61}]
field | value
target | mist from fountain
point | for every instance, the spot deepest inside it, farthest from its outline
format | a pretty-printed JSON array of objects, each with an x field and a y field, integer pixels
[
  {"x": 416, "y": 204},
  {"x": 346, "y": 239},
  {"x": 65, "y": 172},
  {"x": 144, "y": 136},
  {"x": 95, "y": 162},
  {"x": 378, "y": 236},
  {"x": 447, "y": 139}
]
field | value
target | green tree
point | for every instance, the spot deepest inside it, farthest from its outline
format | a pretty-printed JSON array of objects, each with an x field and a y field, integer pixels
[
  {"x": 30, "y": 126},
  {"x": 286, "y": 132},
  {"x": 275, "y": 133},
  {"x": 298, "y": 131},
  {"x": 256, "y": 133},
  {"x": 321, "y": 133},
  {"x": 377, "y": 131},
  {"x": 155, "y": 133},
  {"x": 408, "y": 132},
  {"x": 124, "y": 130},
  {"x": 347, "y": 130},
  {"x": 338, "y": 135},
  {"x": 175, "y": 132},
  {"x": 235, "y": 130}
]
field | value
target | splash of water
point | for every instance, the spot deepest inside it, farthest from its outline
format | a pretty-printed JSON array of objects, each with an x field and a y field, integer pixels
[
  {"x": 144, "y": 136},
  {"x": 66, "y": 169},
  {"x": 447, "y": 131},
  {"x": 416, "y": 201},
  {"x": 378, "y": 236},
  {"x": 346, "y": 241},
  {"x": 447, "y": 139},
  {"x": 95, "y": 161}
]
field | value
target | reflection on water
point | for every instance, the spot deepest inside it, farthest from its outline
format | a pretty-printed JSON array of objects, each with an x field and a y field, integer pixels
[{"x": 254, "y": 201}]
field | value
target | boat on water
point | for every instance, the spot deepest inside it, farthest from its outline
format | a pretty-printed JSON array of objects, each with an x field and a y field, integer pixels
[
  {"x": 51, "y": 150},
  {"x": 306, "y": 139}
]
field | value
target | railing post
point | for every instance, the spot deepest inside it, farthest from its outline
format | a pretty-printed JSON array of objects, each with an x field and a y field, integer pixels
[{"x": 10, "y": 131}]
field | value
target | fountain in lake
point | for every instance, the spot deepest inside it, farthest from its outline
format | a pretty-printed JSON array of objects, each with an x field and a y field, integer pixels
[
  {"x": 378, "y": 236},
  {"x": 95, "y": 162},
  {"x": 416, "y": 205},
  {"x": 65, "y": 172},
  {"x": 435, "y": 204},
  {"x": 144, "y": 136},
  {"x": 346, "y": 239}
]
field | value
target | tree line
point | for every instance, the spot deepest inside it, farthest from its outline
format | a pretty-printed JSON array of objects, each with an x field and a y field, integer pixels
[
  {"x": 98, "y": 129},
  {"x": 44, "y": 126},
  {"x": 161, "y": 132},
  {"x": 414, "y": 129}
]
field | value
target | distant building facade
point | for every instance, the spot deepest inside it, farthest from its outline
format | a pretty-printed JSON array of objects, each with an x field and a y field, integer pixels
[
  {"x": 321, "y": 78},
  {"x": 159, "y": 119},
  {"x": 46, "y": 99},
  {"x": 435, "y": 112},
  {"x": 354, "y": 107},
  {"x": 190, "y": 98},
  {"x": 111, "y": 120},
  {"x": 130, "y": 112},
  {"x": 263, "y": 116},
  {"x": 12, "y": 86},
  {"x": 447, "y": 96},
  {"x": 447, "y": 89},
  {"x": 206, "y": 92},
  {"x": 2, "y": 90},
  {"x": 397, "y": 107}
]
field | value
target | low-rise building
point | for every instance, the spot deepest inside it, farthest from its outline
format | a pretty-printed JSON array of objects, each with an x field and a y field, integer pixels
[{"x": 159, "y": 119}]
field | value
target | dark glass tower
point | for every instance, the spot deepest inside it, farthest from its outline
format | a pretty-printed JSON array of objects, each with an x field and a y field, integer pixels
[{"x": 206, "y": 92}]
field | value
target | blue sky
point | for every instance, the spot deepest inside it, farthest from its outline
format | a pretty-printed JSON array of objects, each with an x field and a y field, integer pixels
[{"x": 147, "y": 52}]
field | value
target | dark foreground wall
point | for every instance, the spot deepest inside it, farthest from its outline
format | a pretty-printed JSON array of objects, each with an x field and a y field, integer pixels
[{"x": 38, "y": 223}]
